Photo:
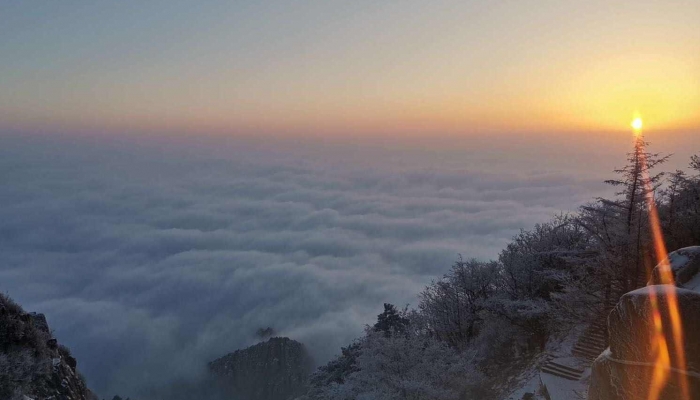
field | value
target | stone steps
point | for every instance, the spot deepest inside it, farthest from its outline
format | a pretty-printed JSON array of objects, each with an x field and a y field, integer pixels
[
  {"x": 585, "y": 357},
  {"x": 585, "y": 354},
  {"x": 595, "y": 335},
  {"x": 592, "y": 343},
  {"x": 588, "y": 348},
  {"x": 599, "y": 325},
  {"x": 562, "y": 371},
  {"x": 595, "y": 338}
]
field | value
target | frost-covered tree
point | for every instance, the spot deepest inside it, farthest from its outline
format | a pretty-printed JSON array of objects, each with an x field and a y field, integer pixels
[
  {"x": 637, "y": 183},
  {"x": 636, "y": 180},
  {"x": 538, "y": 262},
  {"x": 620, "y": 227},
  {"x": 412, "y": 366},
  {"x": 338, "y": 369},
  {"x": 453, "y": 306},
  {"x": 673, "y": 207},
  {"x": 545, "y": 277},
  {"x": 695, "y": 163},
  {"x": 409, "y": 363},
  {"x": 391, "y": 320},
  {"x": 542, "y": 275},
  {"x": 680, "y": 210},
  {"x": 409, "y": 366}
]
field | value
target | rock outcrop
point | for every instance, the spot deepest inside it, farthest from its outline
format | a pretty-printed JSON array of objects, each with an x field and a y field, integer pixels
[
  {"x": 32, "y": 363},
  {"x": 277, "y": 369},
  {"x": 624, "y": 370},
  {"x": 685, "y": 267}
]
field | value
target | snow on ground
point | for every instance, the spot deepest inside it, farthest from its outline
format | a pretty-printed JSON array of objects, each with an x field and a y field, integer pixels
[
  {"x": 564, "y": 389},
  {"x": 532, "y": 385},
  {"x": 558, "y": 349}
]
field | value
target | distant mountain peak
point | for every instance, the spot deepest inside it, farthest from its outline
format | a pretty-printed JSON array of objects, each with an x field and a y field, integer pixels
[{"x": 277, "y": 369}]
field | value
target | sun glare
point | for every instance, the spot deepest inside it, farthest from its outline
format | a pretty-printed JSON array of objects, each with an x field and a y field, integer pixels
[{"x": 637, "y": 124}]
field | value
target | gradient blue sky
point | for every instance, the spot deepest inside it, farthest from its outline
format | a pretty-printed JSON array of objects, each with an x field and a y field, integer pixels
[{"x": 362, "y": 66}]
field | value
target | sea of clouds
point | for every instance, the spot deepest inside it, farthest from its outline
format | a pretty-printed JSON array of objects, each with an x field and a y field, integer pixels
[{"x": 152, "y": 257}]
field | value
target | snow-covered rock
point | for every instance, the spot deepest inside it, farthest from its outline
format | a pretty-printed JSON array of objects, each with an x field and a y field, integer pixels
[
  {"x": 631, "y": 324},
  {"x": 624, "y": 370},
  {"x": 685, "y": 266}
]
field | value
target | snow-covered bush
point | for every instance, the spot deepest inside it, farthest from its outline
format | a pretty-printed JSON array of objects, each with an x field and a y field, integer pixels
[{"x": 409, "y": 365}]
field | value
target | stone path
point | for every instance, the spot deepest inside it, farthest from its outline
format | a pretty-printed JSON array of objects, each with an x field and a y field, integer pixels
[
  {"x": 593, "y": 341},
  {"x": 589, "y": 346}
]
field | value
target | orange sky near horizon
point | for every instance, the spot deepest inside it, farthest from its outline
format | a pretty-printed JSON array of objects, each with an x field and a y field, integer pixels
[{"x": 451, "y": 67}]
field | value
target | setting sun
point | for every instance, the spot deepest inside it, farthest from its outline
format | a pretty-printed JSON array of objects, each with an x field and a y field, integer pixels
[{"x": 637, "y": 124}]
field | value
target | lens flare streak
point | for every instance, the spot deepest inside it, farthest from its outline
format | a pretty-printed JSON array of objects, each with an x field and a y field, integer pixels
[{"x": 660, "y": 348}]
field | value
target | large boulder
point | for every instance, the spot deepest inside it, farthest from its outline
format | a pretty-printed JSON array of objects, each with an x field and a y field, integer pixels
[
  {"x": 611, "y": 379},
  {"x": 624, "y": 370},
  {"x": 277, "y": 369},
  {"x": 631, "y": 325}
]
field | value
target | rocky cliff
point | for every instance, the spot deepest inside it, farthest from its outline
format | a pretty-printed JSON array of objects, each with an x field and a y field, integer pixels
[
  {"x": 32, "y": 363},
  {"x": 277, "y": 369},
  {"x": 625, "y": 369}
]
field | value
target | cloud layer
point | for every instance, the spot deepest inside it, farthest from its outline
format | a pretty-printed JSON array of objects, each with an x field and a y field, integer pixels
[{"x": 150, "y": 260}]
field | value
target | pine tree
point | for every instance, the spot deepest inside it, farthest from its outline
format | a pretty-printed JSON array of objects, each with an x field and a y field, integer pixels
[
  {"x": 680, "y": 210},
  {"x": 390, "y": 321},
  {"x": 620, "y": 226},
  {"x": 636, "y": 179},
  {"x": 695, "y": 163},
  {"x": 673, "y": 197}
]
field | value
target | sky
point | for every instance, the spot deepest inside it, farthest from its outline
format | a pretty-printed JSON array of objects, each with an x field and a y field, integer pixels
[
  {"x": 333, "y": 68},
  {"x": 175, "y": 175}
]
